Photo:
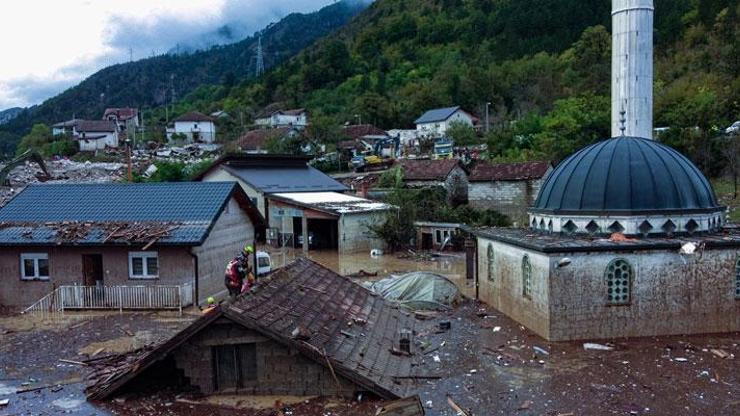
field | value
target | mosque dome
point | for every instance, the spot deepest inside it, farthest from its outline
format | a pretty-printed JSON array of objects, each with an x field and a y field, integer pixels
[{"x": 626, "y": 184}]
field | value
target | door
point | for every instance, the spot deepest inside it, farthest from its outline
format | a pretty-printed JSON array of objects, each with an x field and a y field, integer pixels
[
  {"x": 426, "y": 241},
  {"x": 92, "y": 269}
]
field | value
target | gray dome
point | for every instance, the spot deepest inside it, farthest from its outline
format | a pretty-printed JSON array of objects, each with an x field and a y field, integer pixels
[{"x": 626, "y": 176}]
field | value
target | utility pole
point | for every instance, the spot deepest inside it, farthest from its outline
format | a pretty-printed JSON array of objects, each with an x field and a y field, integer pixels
[
  {"x": 488, "y": 124},
  {"x": 259, "y": 67},
  {"x": 130, "y": 54}
]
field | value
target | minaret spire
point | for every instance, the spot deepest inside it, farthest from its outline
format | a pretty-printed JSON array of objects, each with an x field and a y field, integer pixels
[{"x": 632, "y": 68}]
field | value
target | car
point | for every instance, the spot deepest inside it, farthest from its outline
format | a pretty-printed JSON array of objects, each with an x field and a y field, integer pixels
[{"x": 734, "y": 128}]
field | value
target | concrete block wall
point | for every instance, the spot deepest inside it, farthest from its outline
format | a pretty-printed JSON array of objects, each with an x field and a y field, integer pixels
[
  {"x": 354, "y": 234},
  {"x": 232, "y": 230},
  {"x": 280, "y": 370},
  {"x": 504, "y": 288},
  {"x": 65, "y": 268},
  {"x": 671, "y": 295},
  {"x": 511, "y": 198}
]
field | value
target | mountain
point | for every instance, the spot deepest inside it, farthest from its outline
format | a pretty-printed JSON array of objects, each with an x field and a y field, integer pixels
[
  {"x": 150, "y": 82},
  {"x": 542, "y": 63},
  {"x": 9, "y": 114}
]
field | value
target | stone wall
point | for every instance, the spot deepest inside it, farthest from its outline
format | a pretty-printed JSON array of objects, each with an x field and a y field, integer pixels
[
  {"x": 232, "y": 230},
  {"x": 501, "y": 285},
  {"x": 456, "y": 185},
  {"x": 65, "y": 268},
  {"x": 511, "y": 198},
  {"x": 280, "y": 370},
  {"x": 670, "y": 294}
]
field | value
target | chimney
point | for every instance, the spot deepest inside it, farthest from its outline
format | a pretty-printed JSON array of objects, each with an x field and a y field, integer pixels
[{"x": 632, "y": 68}]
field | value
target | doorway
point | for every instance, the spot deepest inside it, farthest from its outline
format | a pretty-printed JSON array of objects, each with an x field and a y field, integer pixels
[{"x": 92, "y": 269}]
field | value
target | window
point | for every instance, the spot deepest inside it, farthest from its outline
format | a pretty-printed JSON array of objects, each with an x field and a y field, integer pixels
[
  {"x": 737, "y": 279},
  {"x": 441, "y": 236},
  {"x": 619, "y": 276},
  {"x": 490, "y": 262},
  {"x": 143, "y": 265},
  {"x": 34, "y": 266},
  {"x": 234, "y": 365},
  {"x": 526, "y": 278}
]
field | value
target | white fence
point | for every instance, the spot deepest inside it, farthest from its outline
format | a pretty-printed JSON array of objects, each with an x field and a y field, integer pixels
[{"x": 114, "y": 297}]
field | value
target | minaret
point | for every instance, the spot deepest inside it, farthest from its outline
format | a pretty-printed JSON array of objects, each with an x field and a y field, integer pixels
[{"x": 632, "y": 68}]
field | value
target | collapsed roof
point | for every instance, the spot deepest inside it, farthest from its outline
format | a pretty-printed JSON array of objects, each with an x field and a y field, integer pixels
[{"x": 343, "y": 326}]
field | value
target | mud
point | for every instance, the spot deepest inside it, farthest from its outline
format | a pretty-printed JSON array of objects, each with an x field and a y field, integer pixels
[{"x": 487, "y": 363}]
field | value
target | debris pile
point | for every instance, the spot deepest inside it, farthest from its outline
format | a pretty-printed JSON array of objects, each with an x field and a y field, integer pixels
[{"x": 76, "y": 231}]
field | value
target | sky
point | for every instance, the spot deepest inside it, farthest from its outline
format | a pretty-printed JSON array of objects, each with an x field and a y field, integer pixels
[{"x": 48, "y": 46}]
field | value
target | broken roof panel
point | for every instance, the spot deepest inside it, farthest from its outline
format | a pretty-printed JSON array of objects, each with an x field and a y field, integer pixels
[
  {"x": 333, "y": 202},
  {"x": 341, "y": 322}
]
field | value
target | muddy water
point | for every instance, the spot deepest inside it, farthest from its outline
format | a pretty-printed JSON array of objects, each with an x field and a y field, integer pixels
[{"x": 450, "y": 265}]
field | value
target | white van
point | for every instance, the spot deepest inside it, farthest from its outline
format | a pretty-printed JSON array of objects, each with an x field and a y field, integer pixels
[{"x": 264, "y": 265}]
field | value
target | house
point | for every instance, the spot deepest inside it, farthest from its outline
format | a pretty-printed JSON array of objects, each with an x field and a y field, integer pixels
[
  {"x": 255, "y": 141},
  {"x": 302, "y": 331},
  {"x": 509, "y": 188},
  {"x": 435, "y": 235},
  {"x": 283, "y": 118},
  {"x": 434, "y": 123},
  {"x": 445, "y": 173},
  {"x": 366, "y": 132},
  {"x": 262, "y": 175},
  {"x": 64, "y": 127},
  {"x": 113, "y": 234},
  {"x": 407, "y": 138},
  {"x": 95, "y": 135},
  {"x": 126, "y": 117},
  {"x": 193, "y": 127},
  {"x": 327, "y": 220}
]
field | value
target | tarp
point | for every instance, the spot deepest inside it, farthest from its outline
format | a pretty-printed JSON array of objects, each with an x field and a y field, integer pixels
[{"x": 419, "y": 290}]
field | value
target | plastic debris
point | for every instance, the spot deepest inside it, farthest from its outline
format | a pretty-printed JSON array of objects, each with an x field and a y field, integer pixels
[{"x": 598, "y": 347}]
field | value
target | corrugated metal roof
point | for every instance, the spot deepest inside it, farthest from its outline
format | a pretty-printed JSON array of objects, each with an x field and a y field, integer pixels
[
  {"x": 30, "y": 218},
  {"x": 285, "y": 179},
  {"x": 333, "y": 202},
  {"x": 438, "y": 114}
]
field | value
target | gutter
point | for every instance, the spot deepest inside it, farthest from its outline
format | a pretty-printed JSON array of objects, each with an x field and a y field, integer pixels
[{"x": 195, "y": 284}]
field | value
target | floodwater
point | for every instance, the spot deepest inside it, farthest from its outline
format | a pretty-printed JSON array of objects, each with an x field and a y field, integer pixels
[{"x": 450, "y": 265}]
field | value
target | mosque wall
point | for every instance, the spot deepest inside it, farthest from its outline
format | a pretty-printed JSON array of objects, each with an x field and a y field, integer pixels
[{"x": 501, "y": 283}]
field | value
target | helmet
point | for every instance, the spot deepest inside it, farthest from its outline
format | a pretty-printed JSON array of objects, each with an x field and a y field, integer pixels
[
  {"x": 210, "y": 300},
  {"x": 248, "y": 249}
]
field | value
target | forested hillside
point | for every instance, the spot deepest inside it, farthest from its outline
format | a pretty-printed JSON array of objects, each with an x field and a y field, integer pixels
[
  {"x": 149, "y": 82},
  {"x": 543, "y": 64}
]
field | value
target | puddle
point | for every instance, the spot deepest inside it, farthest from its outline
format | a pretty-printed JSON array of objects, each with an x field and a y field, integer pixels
[
  {"x": 6, "y": 390},
  {"x": 450, "y": 265},
  {"x": 67, "y": 404},
  {"x": 121, "y": 344},
  {"x": 256, "y": 402}
]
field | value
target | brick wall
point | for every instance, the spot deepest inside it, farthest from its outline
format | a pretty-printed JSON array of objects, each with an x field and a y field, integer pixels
[
  {"x": 280, "y": 369},
  {"x": 65, "y": 268}
]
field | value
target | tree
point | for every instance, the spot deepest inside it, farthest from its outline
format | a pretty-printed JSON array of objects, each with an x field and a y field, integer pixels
[
  {"x": 573, "y": 123},
  {"x": 462, "y": 134},
  {"x": 39, "y": 136}
]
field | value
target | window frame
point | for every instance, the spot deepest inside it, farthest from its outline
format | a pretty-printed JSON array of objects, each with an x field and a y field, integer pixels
[
  {"x": 630, "y": 281},
  {"x": 526, "y": 277},
  {"x": 36, "y": 268},
  {"x": 737, "y": 278},
  {"x": 144, "y": 255}
]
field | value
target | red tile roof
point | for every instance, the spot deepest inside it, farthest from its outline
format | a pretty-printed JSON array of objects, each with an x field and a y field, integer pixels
[
  {"x": 122, "y": 114},
  {"x": 257, "y": 139},
  {"x": 358, "y": 131},
  {"x": 194, "y": 116},
  {"x": 427, "y": 170},
  {"x": 485, "y": 171}
]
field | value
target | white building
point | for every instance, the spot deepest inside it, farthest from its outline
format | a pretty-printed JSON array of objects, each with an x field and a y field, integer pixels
[
  {"x": 283, "y": 118},
  {"x": 434, "y": 123},
  {"x": 95, "y": 135},
  {"x": 406, "y": 137},
  {"x": 194, "y": 127}
]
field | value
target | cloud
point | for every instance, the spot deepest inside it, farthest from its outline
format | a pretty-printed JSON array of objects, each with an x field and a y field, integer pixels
[{"x": 160, "y": 30}]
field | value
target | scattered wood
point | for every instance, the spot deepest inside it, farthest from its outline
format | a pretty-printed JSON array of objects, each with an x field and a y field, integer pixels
[
  {"x": 417, "y": 377},
  {"x": 347, "y": 334},
  {"x": 459, "y": 410},
  {"x": 72, "y": 362},
  {"x": 526, "y": 405},
  {"x": 396, "y": 351},
  {"x": 720, "y": 353},
  {"x": 83, "y": 323},
  {"x": 409, "y": 406},
  {"x": 98, "y": 351}
]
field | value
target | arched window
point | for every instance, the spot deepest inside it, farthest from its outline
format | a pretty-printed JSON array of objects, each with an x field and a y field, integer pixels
[
  {"x": 737, "y": 279},
  {"x": 526, "y": 278},
  {"x": 490, "y": 261},
  {"x": 619, "y": 275}
]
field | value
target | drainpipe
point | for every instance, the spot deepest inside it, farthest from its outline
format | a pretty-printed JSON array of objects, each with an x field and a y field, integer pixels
[{"x": 195, "y": 284}]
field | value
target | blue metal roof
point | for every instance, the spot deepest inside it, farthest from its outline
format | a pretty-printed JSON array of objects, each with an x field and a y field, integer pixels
[
  {"x": 624, "y": 175},
  {"x": 438, "y": 114},
  {"x": 271, "y": 180},
  {"x": 29, "y": 218}
]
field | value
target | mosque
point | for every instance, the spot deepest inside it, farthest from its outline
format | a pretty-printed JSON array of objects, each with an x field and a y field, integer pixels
[{"x": 626, "y": 238}]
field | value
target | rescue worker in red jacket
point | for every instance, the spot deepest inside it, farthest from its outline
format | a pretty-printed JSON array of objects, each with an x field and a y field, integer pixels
[{"x": 236, "y": 271}]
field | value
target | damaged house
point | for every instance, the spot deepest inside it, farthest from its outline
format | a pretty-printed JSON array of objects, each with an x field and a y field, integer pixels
[
  {"x": 303, "y": 331},
  {"x": 54, "y": 236}
]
